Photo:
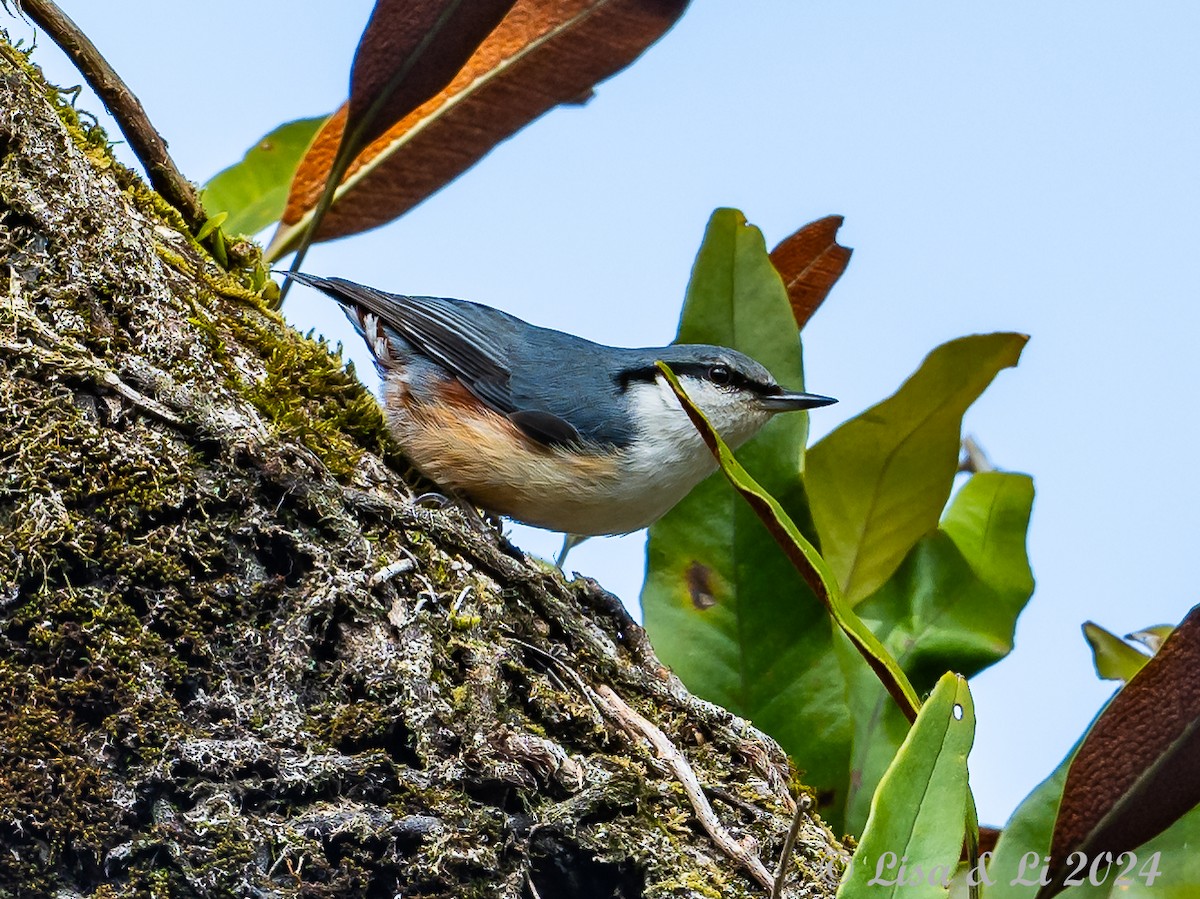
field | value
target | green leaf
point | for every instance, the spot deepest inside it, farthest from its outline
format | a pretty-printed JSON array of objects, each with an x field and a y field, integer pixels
[
  {"x": 1027, "y": 831},
  {"x": 254, "y": 191},
  {"x": 1113, "y": 657},
  {"x": 735, "y": 298},
  {"x": 878, "y": 483},
  {"x": 806, "y": 560},
  {"x": 723, "y": 606},
  {"x": 952, "y": 605},
  {"x": 801, "y": 554},
  {"x": 211, "y": 224},
  {"x": 918, "y": 813},
  {"x": 731, "y": 294},
  {"x": 1152, "y": 637}
]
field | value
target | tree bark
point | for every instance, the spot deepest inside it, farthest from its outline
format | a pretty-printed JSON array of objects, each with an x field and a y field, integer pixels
[{"x": 237, "y": 660}]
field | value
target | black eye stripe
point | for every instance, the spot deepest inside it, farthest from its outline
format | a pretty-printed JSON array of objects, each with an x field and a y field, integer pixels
[
  {"x": 719, "y": 374},
  {"x": 699, "y": 370}
]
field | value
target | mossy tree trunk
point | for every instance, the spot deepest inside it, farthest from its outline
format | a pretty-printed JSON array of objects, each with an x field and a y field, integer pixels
[{"x": 235, "y": 660}]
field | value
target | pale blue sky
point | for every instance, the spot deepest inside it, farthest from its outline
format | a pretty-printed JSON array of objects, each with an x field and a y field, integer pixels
[{"x": 1024, "y": 166}]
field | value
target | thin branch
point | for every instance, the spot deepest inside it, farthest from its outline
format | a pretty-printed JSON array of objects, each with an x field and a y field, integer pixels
[
  {"x": 125, "y": 107},
  {"x": 630, "y": 720},
  {"x": 803, "y": 804},
  {"x": 387, "y": 572}
]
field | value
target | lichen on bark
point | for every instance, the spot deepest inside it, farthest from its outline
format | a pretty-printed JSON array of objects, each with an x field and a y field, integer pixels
[{"x": 237, "y": 660}]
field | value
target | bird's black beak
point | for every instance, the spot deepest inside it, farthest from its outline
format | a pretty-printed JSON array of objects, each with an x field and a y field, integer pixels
[{"x": 791, "y": 402}]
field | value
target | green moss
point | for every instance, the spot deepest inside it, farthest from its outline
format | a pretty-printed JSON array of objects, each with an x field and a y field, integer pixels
[
  {"x": 707, "y": 884},
  {"x": 362, "y": 723},
  {"x": 314, "y": 397},
  {"x": 224, "y": 867},
  {"x": 58, "y": 806},
  {"x": 465, "y": 622},
  {"x": 154, "y": 884}
]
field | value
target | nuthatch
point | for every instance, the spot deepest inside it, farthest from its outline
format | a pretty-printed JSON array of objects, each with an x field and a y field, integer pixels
[{"x": 545, "y": 427}]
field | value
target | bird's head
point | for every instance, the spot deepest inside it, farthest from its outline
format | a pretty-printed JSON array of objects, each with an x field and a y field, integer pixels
[{"x": 737, "y": 393}]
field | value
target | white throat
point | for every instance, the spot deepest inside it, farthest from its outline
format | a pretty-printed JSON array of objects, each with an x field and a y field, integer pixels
[
  {"x": 661, "y": 419},
  {"x": 669, "y": 457}
]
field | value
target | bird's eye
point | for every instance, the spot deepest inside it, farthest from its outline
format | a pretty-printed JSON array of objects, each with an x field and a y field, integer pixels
[{"x": 720, "y": 374}]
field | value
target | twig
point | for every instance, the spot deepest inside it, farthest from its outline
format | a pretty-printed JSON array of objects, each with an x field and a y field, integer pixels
[
  {"x": 564, "y": 667},
  {"x": 387, "y": 572},
  {"x": 126, "y": 109},
  {"x": 153, "y": 407},
  {"x": 803, "y": 804},
  {"x": 533, "y": 890},
  {"x": 633, "y": 722}
]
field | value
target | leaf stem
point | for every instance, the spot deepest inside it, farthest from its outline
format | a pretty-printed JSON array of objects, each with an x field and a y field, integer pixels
[{"x": 803, "y": 555}]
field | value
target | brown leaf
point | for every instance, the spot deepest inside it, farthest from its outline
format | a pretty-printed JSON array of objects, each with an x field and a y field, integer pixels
[
  {"x": 545, "y": 52},
  {"x": 1138, "y": 769},
  {"x": 810, "y": 263},
  {"x": 409, "y": 51}
]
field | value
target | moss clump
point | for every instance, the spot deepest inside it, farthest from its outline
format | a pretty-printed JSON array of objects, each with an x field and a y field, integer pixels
[
  {"x": 55, "y": 809},
  {"x": 360, "y": 726},
  {"x": 315, "y": 398}
]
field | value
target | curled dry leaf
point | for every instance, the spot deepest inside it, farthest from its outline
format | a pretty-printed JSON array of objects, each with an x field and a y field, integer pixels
[
  {"x": 544, "y": 53},
  {"x": 810, "y": 263},
  {"x": 410, "y": 50},
  {"x": 1138, "y": 769}
]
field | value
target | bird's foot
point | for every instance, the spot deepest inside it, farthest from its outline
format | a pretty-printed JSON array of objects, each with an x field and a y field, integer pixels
[{"x": 570, "y": 541}]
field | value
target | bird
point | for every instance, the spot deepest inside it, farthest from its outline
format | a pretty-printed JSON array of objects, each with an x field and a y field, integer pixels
[{"x": 544, "y": 427}]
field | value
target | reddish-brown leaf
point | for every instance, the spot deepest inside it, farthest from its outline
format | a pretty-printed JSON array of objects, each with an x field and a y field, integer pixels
[
  {"x": 1138, "y": 769},
  {"x": 409, "y": 51},
  {"x": 544, "y": 52},
  {"x": 810, "y": 263}
]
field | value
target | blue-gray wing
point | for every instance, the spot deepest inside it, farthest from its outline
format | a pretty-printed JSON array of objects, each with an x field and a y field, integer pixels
[{"x": 472, "y": 342}]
